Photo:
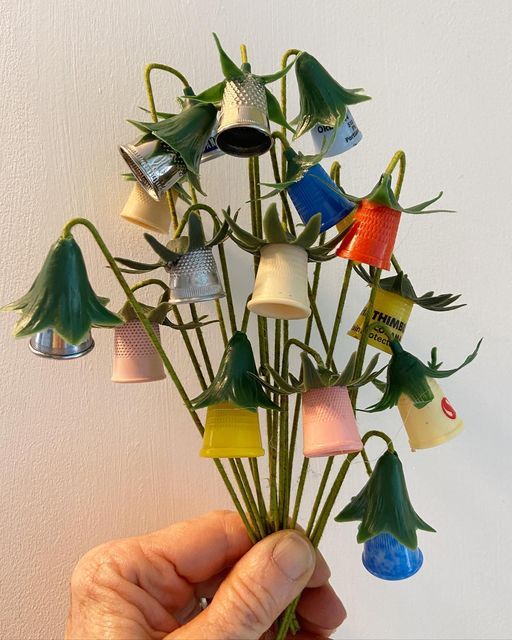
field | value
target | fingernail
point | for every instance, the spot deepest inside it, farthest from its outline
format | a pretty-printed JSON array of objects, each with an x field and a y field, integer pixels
[{"x": 294, "y": 556}]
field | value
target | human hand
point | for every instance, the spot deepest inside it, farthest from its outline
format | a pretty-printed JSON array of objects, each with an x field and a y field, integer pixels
[{"x": 149, "y": 587}]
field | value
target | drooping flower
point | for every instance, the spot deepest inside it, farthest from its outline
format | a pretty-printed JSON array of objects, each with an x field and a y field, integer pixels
[
  {"x": 383, "y": 505},
  {"x": 61, "y": 298}
]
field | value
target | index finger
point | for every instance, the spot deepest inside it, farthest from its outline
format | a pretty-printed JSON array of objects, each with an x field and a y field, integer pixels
[{"x": 200, "y": 548}]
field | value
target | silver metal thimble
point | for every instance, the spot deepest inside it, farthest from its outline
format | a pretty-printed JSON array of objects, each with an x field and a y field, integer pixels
[
  {"x": 154, "y": 165},
  {"x": 194, "y": 278},
  {"x": 243, "y": 128},
  {"x": 48, "y": 344}
]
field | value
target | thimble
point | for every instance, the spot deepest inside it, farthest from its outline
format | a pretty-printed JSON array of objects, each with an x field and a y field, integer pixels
[
  {"x": 281, "y": 286},
  {"x": 388, "y": 559},
  {"x": 371, "y": 239},
  {"x": 135, "y": 357},
  {"x": 329, "y": 424},
  {"x": 142, "y": 209},
  {"x": 154, "y": 165},
  {"x": 211, "y": 150},
  {"x": 316, "y": 193},
  {"x": 243, "y": 128},
  {"x": 432, "y": 425},
  {"x": 49, "y": 344},
  {"x": 194, "y": 278},
  {"x": 345, "y": 137},
  {"x": 390, "y": 309},
  {"x": 231, "y": 432}
]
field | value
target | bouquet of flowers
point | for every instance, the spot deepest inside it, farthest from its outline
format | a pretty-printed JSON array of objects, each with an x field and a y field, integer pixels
[{"x": 316, "y": 221}]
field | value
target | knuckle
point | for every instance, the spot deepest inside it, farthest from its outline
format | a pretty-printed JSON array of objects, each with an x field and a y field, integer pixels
[{"x": 97, "y": 570}]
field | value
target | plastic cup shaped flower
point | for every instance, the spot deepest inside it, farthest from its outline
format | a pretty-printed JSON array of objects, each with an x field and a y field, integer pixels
[
  {"x": 371, "y": 238},
  {"x": 329, "y": 423},
  {"x": 383, "y": 505},
  {"x": 312, "y": 191},
  {"x": 235, "y": 391},
  {"x": 387, "y": 559},
  {"x": 392, "y": 307},
  {"x": 410, "y": 385},
  {"x": 48, "y": 344},
  {"x": 281, "y": 286},
  {"x": 62, "y": 299},
  {"x": 246, "y": 106},
  {"x": 322, "y": 99},
  {"x": 145, "y": 211},
  {"x": 173, "y": 147},
  {"x": 189, "y": 261},
  {"x": 231, "y": 432},
  {"x": 433, "y": 424},
  {"x": 336, "y": 140}
]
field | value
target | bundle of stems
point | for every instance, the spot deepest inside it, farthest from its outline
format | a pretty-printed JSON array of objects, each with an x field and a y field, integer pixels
[{"x": 264, "y": 514}]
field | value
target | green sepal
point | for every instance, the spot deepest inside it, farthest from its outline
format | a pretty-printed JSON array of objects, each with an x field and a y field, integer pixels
[
  {"x": 196, "y": 238},
  {"x": 384, "y": 506},
  {"x": 322, "y": 99},
  {"x": 186, "y": 133},
  {"x": 61, "y": 298},
  {"x": 244, "y": 239},
  {"x": 408, "y": 375},
  {"x": 161, "y": 250},
  {"x": 308, "y": 236},
  {"x": 233, "y": 382},
  {"x": 213, "y": 94},
  {"x": 401, "y": 285},
  {"x": 296, "y": 166},
  {"x": 272, "y": 77},
  {"x": 272, "y": 226},
  {"x": 382, "y": 194},
  {"x": 275, "y": 113},
  {"x": 230, "y": 70},
  {"x": 138, "y": 267}
]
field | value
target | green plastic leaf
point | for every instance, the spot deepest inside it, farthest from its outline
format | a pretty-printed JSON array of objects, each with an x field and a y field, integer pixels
[
  {"x": 310, "y": 233},
  {"x": 196, "y": 239},
  {"x": 138, "y": 267},
  {"x": 275, "y": 112},
  {"x": 230, "y": 70},
  {"x": 234, "y": 382},
  {"x": 213, "y": 94},
  {"x": 243, "y": 238},
  {"x": 272, "y": 227},
  {"x": 161, "y": 250},
  {"x": 408, "y": 375},
  {"x": 61, "y": 298},
  {"x": 186, "y": 133},
  {"x": 384, "y": 506},
  {"x": 272, "y": 77},
  {"x": 322, "y": 99}
]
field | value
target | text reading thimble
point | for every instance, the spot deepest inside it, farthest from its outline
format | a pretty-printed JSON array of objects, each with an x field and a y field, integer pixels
[
  {"x": 154, "y": 165},
  {"x": 345, "y": 137},
  {"x": 243, "y": 128},
  {"x": 194, "y": 278},
  {"x": 49, "y": 344}
]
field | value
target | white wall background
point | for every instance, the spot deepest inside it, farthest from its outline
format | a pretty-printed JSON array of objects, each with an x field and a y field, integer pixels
[{"x": 83, "y": 460}]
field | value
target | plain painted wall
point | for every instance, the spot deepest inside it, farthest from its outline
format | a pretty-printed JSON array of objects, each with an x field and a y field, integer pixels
[{"x": 83, "y": 460}]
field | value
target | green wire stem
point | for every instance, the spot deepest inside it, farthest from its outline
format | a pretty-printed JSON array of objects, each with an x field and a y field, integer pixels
[{"x": 66, "y": 232}]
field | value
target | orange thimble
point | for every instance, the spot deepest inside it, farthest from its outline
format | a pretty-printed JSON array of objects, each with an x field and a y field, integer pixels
[{"x": 371, "y": 238}]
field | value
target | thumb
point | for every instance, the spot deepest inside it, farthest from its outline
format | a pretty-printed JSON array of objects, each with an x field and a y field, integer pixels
[{"x": 259, "y": 587}]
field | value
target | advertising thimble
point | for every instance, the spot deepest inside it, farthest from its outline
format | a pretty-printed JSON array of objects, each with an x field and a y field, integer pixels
[
  {"x": 329, "y": 424},
  {"x": 390, "y": 309},
  {"x": 387, "y": 559},
  {"x": 154, "y": 165},
  {"x": 211, "y": 150},
  {"x": 231, "y": 432},
  {"x": 371, "y": 239},
  {"x": 345, "y": 137},
  {"x": 281, "y": 286},
  {"x": 316, "y": 193},
  {"x": 145, "y": 211},
  {"x": 135, "y": 357},
  {"x": 194, "y": 278},
  {"x": 49, "y": 344},
  {"x": 436, "y": 423},
  {"x": 243, "y": 129}
]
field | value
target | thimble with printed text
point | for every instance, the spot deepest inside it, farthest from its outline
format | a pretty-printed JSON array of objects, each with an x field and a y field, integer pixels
[{"x": 345, "y": 137}]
